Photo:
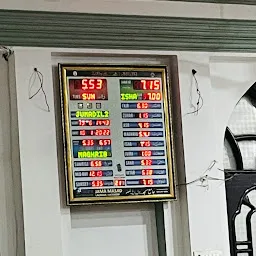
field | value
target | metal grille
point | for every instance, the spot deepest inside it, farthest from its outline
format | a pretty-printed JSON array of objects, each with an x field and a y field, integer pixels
[{"x": 240, "y": 171}]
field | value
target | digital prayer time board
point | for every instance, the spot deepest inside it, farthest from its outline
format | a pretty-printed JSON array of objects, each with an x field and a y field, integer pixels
[{"x": 117, "y": 133}]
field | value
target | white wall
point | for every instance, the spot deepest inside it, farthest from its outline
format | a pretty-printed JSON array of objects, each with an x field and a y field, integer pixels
[
  {"x": 47, "y": 221},
  {"x": 81, "y": 228},
  {"x": 132, "y": 225},
  {"x": 50, "y": 227},
  {"x": 206, "y": 211},
  {"x": 7, "y": 240},
  {"x": 223, "y": 79},
  {"x": 11, "y": 216}
]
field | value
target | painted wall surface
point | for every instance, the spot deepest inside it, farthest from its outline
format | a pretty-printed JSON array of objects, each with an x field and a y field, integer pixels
[
  {"x": 126, "y": 229},
  {"x": 7, "y": 222},
  {"x": 11, "y": 214},
  {"x": 55, "y": 230},
  {"x": 47, "y": 221}
]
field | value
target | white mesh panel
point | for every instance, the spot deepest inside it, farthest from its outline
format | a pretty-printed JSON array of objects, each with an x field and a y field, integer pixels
[
  {"x": 240, "y": 224},
  {"x": 248, "y": 150},
  {"x": 243, "y": 118},
  {"x": 243, "y": 121}
]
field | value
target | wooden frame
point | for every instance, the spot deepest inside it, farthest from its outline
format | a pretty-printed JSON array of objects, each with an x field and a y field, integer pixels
[{"x": 170, "y": 149}]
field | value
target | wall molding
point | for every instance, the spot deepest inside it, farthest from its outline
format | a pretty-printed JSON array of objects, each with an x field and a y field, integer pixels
[
  {"x": 105, "y": 31},
  {"x": 244, "y": 2}
]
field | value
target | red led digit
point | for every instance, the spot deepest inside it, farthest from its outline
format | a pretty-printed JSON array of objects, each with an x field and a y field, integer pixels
[
  {"x": 144, "y": 134},
  {"x": 84, "y": 84},
  {"x": 147, "y": 172},
  {"x": 92, "y": 84},
  {"x": 145, "y": 143},
  {"x": 106, "y": 132},
  {"x": 104, "y": 142},
  {"x": 151, "y": 84},
  {"x": 81, "y": 122},
  {"x": 119, "y": 183},
  {"x": 152, "y": 96},
  {"x": 92, "y": 174},
  {"x": 147, "y": 85},
  {"x": 101, "y": 132},
  {"x": 87, "y": 142},
  {"x": 97, "y": 132},
  {"x": 144, "y": 84},
  {"x": 96, "y": 163},
  {"x": 97, "y": 183},
  {"x": 88, "y": 89},
  {"x": 103, "y": 122},
  {"x": 82, "y": 132},
  {"x": 143, "y": 115},
  {"x": 89, "y": 122},
  {"x": 99, "y": 173},
  {"x": 95, "y": 174},
  {"x": 99, "y": 84},
  {"x": 146, "y": 153},
  {"x": 148, "y": 182},
  {"x": 146, "y": 162},
  {"x": 142, "y": 105},
  {"x": 156, "y": 84},
  {"x": 143, "y": 125}
]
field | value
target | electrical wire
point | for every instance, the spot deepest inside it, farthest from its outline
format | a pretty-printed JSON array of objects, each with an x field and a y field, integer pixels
[
  {"x": 40, "y": 77},
  {"x": 204, "y": 178},
  {"x": 200, "y": 100}
]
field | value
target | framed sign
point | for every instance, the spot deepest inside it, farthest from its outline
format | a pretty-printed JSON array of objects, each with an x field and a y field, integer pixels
[{"x": 117, "y": 133}]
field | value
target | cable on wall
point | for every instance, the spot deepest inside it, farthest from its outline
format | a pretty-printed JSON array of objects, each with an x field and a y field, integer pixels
[
  {"x": 204, "y": 179},
  {"x": 36, "y": 74},
  {"x": 200, "y": 102}
]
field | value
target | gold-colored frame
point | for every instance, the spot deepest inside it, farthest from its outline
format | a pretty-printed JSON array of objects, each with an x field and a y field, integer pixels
[{"x": 71, "y": 200}]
